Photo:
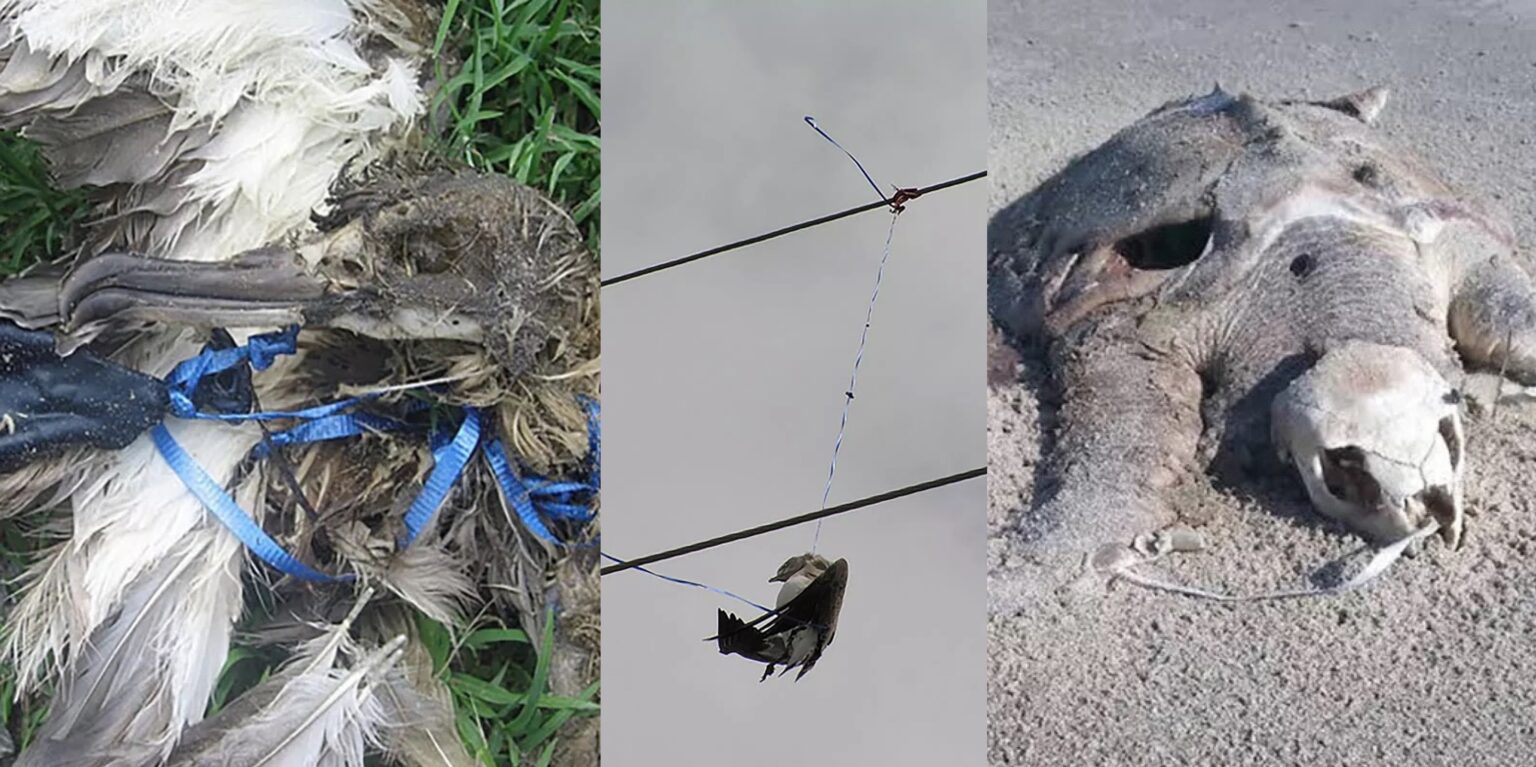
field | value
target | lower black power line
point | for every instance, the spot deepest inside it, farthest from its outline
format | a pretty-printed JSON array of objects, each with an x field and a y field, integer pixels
[{"x": 791, "y": 521}]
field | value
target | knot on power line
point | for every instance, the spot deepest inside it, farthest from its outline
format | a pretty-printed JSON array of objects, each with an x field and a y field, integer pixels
[{"x": 903, "y": 195}]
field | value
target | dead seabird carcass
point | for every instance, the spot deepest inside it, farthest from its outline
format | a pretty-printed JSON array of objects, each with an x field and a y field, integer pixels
[{"x": 212, "y": 132}]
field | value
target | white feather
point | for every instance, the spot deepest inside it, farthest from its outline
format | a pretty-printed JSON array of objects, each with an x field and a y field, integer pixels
[
  {"x": 312, "y": 713},
  {"x": 284, "y": 83},
  {"x": 290, "y": 99},
  {"x": 126, "y": 694},
  {"x": 117, "y": 538}
]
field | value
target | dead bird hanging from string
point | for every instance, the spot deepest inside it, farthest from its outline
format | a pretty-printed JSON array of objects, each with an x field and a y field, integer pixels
[
  {"x": 208, "y": 131},
  {"x": 804, "y": 619},
  {"x": 802, "y": 623}
]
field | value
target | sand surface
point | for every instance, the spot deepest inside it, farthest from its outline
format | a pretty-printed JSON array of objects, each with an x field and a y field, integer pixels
[{"x": 1435, "y": 664}]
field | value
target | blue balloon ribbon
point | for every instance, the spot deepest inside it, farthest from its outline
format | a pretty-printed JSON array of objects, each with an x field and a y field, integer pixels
[
  {"x": 450, "y": 461},
  {"x": 338, "y": 426},
  {"x": 533, "y": 498},
  {"x": 514, "y": 492},
  {"x": 227, "y": 511}
]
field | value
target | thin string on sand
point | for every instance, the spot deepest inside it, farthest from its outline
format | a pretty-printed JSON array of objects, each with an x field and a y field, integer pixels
[{"x": 1375, "y": 568}]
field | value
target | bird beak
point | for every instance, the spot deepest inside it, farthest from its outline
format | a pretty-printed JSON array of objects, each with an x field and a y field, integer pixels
[{"x": 267, "y": 286}]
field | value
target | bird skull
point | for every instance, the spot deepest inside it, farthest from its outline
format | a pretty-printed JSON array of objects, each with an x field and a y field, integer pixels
[{"x": 1376, "y": 434}]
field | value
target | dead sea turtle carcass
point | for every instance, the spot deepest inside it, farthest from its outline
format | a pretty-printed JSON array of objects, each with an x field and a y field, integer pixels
[{"x": 1231, "y": 277}]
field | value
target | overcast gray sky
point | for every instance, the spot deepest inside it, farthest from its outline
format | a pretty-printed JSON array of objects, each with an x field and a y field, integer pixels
[{"x": 723, "y": 379}]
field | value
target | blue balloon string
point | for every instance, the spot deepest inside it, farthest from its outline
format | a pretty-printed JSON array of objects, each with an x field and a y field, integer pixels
[
  {"x": 449, "y": 462},
  {"x": 339, "y": 426},
  {"x": 686, "y": 582},
  {"x": 534, "y": 499},
  {"x": 579, "y": 512},
  {"x": 514, "y": 492},
  {"x": 853, "y": 379},
  {"x": 869, "y": 314},
  {"x": 811, "y": 121}
]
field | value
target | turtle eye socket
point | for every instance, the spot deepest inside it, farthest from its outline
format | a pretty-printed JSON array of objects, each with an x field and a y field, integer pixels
[
  {"x": 1169, "y": 246},
  {"x": 1347, "y": 477}
]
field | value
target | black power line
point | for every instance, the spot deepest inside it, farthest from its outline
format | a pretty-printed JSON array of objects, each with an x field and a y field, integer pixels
[
  {"x": 803, "y": 518},
  {"x": 781, "y": 232}
]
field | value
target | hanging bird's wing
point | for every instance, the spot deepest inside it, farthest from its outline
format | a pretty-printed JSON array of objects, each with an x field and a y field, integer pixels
[
  {"x": 823, "y": 600},
  {"x": 818, "y": 605}
]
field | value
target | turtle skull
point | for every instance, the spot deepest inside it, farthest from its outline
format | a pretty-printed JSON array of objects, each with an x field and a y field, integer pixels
[{"x": 1376, "y": 434}]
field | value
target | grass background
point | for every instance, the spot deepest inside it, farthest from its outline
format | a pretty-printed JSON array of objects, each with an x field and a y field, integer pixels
[
  {"x": 519, "y": 96},
  {"x": 525, "y": 102},
  {"x": 35, "y": 219}
]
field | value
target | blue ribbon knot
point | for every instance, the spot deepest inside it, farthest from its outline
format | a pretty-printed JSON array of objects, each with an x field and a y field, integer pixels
[{"x": 533, "y": 498}]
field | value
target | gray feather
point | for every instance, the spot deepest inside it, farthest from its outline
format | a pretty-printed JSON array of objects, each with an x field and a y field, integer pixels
[
  {"x": 31, "y": 81},
  {"x": 107, "y": 709},
  {"x": 123, "y": 138},
  {"x": 32, "y": 301},
  {"x": 431, "y": 580},
  {"x": 144, "y": 229},
  {"x": 311, "y": 713},
  {"x": 424, "y": 574},
  {"x": 419, "y": 728}
]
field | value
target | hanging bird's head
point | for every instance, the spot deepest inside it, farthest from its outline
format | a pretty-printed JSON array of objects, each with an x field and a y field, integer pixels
[{"x": 812, "y": 565}]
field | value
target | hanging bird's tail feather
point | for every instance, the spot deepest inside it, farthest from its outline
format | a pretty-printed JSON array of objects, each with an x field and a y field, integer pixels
[{"x": 740, "y": 638}]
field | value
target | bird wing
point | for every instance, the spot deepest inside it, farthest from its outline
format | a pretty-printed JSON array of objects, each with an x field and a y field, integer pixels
[
  {"x": 818, "y": 604},
  {"x": 824, "y": 603}
]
